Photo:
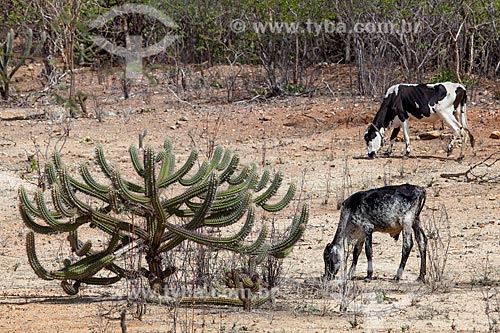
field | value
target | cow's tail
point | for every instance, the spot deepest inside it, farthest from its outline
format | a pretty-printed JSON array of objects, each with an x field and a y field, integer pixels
[{"x": 463, "y": 118}]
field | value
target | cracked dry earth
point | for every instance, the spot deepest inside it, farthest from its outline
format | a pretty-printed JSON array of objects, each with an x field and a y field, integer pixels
[{"x": 318, "y": 144}]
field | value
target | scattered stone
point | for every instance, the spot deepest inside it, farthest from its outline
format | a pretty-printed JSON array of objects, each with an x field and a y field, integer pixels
[
  {"x": 21, "y": 114},
  {"x": 430, "y": 135},
  {"x": 495, "y": 135}
]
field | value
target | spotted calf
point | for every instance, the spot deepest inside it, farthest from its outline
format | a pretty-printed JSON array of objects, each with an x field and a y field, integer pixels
[{"x": 389, "y": 209}]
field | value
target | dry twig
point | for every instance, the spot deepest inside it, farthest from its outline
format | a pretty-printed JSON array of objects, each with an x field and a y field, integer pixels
[{"x": 482, "y": 172}]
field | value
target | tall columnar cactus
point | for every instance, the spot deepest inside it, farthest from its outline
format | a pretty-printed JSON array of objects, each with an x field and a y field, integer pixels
[
  {"x": 8, "y": 67},
  {"x": 217, "y": 194}
]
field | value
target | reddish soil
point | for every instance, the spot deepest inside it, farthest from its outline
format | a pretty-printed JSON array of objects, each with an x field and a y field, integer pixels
[{"x": 317, "y": 142}]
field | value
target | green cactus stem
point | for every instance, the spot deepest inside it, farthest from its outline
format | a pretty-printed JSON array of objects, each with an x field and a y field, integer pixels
[
  {"x": 155, "y": 212},
  {"x": 9, "y": 66}
]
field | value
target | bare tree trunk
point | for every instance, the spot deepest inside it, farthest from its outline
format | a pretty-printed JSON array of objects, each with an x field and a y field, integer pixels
[{"x": 361, "y": 65}]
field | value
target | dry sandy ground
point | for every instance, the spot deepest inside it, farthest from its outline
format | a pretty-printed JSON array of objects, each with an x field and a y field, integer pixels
[{"x": 309, "y": 140}]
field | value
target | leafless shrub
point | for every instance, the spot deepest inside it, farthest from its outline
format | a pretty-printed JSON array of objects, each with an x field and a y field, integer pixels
[
  {"x": 437, "y": 228},
  {"x": 491, "y": 301},
  {"x": 485, "y": 274},
  {"x": 348, "y": 290},
  {"x": 272, "y": 268},
  {"x": 99, "y": 113},
  {"x": 328, "y": 187},
  {"x": 102, "y": 321},
  {"x": 57, "y": 135},
  {"x": 346, "y": 189}
]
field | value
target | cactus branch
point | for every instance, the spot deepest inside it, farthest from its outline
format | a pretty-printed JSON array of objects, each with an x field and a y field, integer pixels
[{"x": 155, "y": 214}]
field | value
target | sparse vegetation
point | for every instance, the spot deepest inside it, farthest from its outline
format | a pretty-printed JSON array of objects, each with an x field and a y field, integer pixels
[
  {"x": 295, "y": 101},
  {"x": 436, "y": 225}
]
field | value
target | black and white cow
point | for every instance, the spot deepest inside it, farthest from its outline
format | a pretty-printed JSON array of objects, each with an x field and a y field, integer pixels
[
  {"x": 389, "y": 209},
  {"x": 427, "y": 102}
]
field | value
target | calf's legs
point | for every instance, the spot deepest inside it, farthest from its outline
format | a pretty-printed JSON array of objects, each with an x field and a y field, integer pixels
[
  {"x": 407, "y": 246},
  {"x": 422, "y": 247},
  {"x": 355, "y": 255},
  {"x": 369, "y": 253}
]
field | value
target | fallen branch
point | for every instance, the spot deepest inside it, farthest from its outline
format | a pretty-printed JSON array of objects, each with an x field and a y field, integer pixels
[
  {"x": 180, "y": 99},
  {"x": 481, "y": 172},
  {"x": 317, "y": 120}
]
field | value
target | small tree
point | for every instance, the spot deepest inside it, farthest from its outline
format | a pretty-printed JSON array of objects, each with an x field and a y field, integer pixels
[{"x": 138, "y": 216}]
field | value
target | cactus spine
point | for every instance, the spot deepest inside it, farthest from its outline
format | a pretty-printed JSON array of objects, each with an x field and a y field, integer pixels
[{"x": 216, "y": 195}]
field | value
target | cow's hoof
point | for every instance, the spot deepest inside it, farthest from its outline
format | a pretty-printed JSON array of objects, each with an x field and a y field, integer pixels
[
  {"x": 387, "y": 154},
  {"x": 327, "y": 277},
  {"x": 368, "y": 279},
  {"x": 421, "y": 279},
  {"x": 396, "y": 278},
  {"x": 406, "y": 156}
]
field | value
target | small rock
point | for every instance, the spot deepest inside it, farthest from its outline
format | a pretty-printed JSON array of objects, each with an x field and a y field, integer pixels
[
  {"x": 430, "y": 135},
  {"x": 21, "y": 114},
  {"x": 495, "y": 135}
]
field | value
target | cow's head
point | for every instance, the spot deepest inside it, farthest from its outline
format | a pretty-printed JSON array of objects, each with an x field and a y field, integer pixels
[
  {"x": 333, "y": 257},
  {"x": 374, "y": 139}
]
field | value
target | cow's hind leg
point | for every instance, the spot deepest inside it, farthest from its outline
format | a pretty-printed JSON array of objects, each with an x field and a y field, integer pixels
[
  {"x": 422, "y": 247},
  {"x": 394, "y": 135},
  {"x": 406, "y": 134},
  {"x": 355, "y": 255},
  {"x": 452, "y": 122},
  {"x": 407, "y": 246}
]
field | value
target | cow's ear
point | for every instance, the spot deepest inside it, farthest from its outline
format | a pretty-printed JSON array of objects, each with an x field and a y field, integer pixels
[{"x": 441, "y": 91}]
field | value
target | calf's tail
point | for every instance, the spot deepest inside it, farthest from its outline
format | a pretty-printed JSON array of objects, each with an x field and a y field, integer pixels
[{"x": 421, "y": 200}]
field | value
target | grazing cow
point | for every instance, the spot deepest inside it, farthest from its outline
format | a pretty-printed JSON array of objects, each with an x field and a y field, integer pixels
[
  {"x": 389, "y": 209},
  {"x": 428, "y": 102}
]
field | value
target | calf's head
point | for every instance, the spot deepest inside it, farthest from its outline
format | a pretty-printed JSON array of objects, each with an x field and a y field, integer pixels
[
  {"x": 333, "y": 259},
  {"x": 374, "y": 139}
]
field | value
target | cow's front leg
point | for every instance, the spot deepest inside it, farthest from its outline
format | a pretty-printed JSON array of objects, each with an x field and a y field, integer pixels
[
  {"x": 452, "y": 143},
  {"x": 407, "y": 246},
  {"x": 406, "y": 134},
  {"x": 394, "y": 135},
  {"x": 369, "y": 252}
]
